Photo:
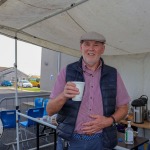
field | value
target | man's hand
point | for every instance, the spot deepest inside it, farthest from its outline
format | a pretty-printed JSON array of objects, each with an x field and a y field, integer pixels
[
  {"x": 54, "y": 105},
  {"x": 70, "y": 90},
  {"x": 98, "y": 123}
]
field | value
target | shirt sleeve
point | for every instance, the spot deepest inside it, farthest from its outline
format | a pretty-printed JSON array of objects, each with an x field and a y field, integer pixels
[
  {"x": 122, "y": 94},
  {"x": 59, "y": 84}
]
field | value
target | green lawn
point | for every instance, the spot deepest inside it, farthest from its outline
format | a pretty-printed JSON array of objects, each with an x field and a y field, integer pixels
[{"x": 33, "y": 89}]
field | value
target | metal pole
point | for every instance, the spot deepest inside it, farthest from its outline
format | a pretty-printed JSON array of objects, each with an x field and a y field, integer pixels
[
  {"x": 58, "y": 62},
  {"x": 37, "y": 136},
  {"x": 16, "y": 94}
]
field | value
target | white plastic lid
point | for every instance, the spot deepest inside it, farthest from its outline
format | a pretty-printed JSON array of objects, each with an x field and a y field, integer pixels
[{"x": 129, "y": 123}]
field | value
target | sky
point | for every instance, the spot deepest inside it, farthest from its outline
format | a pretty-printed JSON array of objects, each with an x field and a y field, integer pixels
[{"x": 28, "y": 55}]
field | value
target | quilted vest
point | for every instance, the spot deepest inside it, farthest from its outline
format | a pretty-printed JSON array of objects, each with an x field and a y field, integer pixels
[{"x": 68, "y": 114}]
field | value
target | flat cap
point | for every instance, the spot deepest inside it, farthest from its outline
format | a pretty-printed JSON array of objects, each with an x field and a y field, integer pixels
[{"x": 94, "y": 36}]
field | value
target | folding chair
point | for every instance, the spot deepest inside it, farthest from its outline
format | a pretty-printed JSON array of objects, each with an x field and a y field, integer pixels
[
  {"x": 1, "y": 128},
  {"x": 45, "y": 104},
  {"x": 35, "y": 113},
  {"x": 8, "y": 119},
  {"x": 32, "y": 112},
  {"x": 38, "y": 102}
]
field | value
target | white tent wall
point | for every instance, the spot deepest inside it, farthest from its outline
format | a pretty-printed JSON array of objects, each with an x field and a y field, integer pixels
[
  {"x": 48, "y": 61},
  {"x": 49, "y": 67},
  {"x": 135, "y": 71}
]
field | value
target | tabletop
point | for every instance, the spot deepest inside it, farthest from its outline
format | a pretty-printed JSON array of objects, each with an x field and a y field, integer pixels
[{"x": 138, "y": 141}]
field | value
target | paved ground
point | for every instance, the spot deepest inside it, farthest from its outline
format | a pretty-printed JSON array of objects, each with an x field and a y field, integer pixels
[
  {"x": 10, "y": 91},
  {"x": 4, "y": 90}
]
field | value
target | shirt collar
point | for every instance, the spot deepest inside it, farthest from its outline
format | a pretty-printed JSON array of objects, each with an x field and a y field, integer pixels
[{"x": 84, "y": 66}]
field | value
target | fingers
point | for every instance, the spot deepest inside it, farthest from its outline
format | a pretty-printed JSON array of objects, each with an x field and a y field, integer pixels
[
  {"x": 94, "y": 126},
  {"x": 70, "y": 90},
  {"x": 89, "y": 129},
  {"x": 94, "y": 116}
]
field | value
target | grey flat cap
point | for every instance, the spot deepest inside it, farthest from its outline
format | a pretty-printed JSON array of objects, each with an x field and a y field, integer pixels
[{"x": 93, "y": 36}]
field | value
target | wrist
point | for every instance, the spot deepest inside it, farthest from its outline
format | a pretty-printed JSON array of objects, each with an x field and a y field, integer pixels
[
  {"x": 63, "y": 96},
  {"x": 113, "y": 120},
  {"x": 109, "y": 122}
]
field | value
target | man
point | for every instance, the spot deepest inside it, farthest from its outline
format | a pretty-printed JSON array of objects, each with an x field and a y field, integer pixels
[{"x": 89, "y": 124}]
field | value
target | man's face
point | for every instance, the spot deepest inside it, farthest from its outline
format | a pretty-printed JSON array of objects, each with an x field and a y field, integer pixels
[{"x": 92, "y": 51}]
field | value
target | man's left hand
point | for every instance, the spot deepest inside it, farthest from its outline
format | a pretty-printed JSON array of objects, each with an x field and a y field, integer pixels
[{"x": 97, "y": 124}]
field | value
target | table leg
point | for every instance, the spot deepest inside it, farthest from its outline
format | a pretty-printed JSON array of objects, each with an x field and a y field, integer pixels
[
  {"x": 55, "y": 140},
  {"x": 37, "y": 136}
]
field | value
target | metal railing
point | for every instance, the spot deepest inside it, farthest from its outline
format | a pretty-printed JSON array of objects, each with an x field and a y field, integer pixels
[{"x": 24, "y": 102}]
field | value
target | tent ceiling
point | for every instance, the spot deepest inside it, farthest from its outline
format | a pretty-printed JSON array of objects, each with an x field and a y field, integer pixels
[{"x": 58, "y": 24}]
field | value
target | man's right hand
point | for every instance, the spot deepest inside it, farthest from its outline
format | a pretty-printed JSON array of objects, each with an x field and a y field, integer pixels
[
  {"x": 70, "y": 90},
  {"x": 54, "y": 105}
]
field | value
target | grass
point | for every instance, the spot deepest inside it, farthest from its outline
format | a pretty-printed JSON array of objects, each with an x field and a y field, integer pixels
[{"x": 33, "y": 89}]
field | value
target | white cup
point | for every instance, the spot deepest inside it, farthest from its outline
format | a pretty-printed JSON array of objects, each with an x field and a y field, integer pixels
[
  {"x": 45, "y": 118},
  {"x": 80, "y": 86},
  {"x": 53, "y": 119}
]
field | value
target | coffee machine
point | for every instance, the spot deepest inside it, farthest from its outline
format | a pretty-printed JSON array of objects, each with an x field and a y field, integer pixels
[
  {"x": 140, "y": 109},
  {"x": 144, "y": 99}
]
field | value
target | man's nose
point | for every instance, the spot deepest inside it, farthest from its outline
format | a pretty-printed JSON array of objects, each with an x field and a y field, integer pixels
[{"x": 91, "y": 47}]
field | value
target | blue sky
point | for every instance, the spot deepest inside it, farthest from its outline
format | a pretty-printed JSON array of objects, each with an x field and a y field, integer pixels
[{"x": 29, "y": 55}]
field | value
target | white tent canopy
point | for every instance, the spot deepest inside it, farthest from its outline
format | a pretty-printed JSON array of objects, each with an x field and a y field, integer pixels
[{"x": 58, "y": 24}]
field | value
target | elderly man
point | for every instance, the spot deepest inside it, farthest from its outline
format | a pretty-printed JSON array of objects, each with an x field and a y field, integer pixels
[{"x": 89, "y": 124}]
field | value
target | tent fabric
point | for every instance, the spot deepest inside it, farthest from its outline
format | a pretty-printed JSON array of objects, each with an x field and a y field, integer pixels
[
  {"x": 135, "y": 72},
  {"x": 58, "y": 25}
]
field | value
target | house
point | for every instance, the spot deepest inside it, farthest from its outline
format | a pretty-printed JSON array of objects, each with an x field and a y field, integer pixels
[{"x": 9, "y": 74}]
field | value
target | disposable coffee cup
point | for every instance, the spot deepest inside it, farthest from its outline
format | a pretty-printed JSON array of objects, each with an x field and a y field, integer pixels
[
  {"x": 53, "y": 119},
  {"x": 80, "y": 86},
  {"x": 45, "y": 118}
]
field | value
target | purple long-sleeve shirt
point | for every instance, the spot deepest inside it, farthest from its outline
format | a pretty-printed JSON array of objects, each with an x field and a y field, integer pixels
[{"x": 92, "y": 98}]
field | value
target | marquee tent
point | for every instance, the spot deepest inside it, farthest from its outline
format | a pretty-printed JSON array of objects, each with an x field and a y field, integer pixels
[{"x": 58, "y": 25}]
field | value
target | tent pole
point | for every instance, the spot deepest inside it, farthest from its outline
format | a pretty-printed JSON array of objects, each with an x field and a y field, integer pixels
[
  {"x": 58, "y": 62},
  {"x": 16, "y": 94}
]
